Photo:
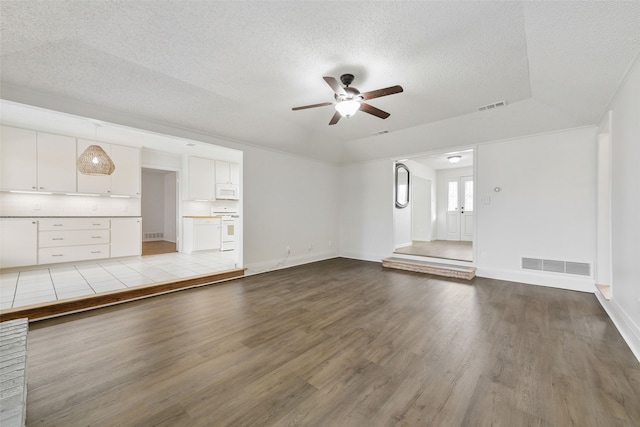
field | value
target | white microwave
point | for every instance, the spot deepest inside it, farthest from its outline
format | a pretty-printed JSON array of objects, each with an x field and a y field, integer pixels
[{"x": 227, "y": 192}]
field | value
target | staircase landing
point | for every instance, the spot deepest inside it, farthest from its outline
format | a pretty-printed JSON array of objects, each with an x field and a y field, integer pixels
[{"x": 435, "y": 268}]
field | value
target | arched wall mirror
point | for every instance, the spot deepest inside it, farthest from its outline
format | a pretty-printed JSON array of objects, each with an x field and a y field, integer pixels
[{"x": 402, "y": 186}]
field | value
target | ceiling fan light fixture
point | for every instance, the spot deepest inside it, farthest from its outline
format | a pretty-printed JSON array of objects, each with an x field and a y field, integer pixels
[
  {"x": 347, "y": 108},
  {"x": 454, "y": 159}
]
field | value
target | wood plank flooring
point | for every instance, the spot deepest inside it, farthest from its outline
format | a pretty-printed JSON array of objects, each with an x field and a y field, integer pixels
[
  {"x": 156, "y": 247},
  {"x": 337, "y": 343}
]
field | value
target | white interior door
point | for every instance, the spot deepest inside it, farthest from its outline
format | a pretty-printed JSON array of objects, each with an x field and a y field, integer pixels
[
  {"x": 466, "y": 208},
  {"x": 453, "y": 210},
  {"x": 460, "y": 209}
]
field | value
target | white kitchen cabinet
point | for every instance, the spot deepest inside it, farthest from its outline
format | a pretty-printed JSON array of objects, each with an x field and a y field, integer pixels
[
  {"x": 56, "y": 163},
  {"x": 126, "y": 237},
  {"x": 201, "y": 234},
  {"x": 18, "y": 242},
  {"x": 202, "y": 179},
  {"x": 227, "y": 173},
  {"x": 37, "y": 161},
  {"x": 72, "y": 253},
  {"x": 72, "y": 239},
  {"x": 125, "y": 179},
  {"x": 18, "y": 154}
]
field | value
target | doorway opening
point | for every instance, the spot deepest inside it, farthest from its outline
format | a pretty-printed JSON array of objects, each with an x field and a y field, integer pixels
[
  {"x": 159, "y": 211},
  {"x": 439, "y": 220}
]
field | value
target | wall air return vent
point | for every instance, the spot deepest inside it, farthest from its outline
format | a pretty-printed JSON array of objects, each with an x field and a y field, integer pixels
[
  {"x": 492, "y": 106},
  {"x": 154, "y": 236},
  {"x": 555, "y": 266}
]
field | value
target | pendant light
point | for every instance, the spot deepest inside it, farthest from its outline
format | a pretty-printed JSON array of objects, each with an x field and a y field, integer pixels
[{"x": 95, "y": 161}]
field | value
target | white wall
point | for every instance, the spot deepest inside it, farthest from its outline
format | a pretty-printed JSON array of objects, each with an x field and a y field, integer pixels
[
  {"x": 152, "y": 202},
  {"x": 624, "y": 307},
  {"x": 170, "y": 207},
  {"x": 366, "y": 210},
  {"x": 288, "y": 201},
  {"x": 402, "y": 217},
  {"x": 545, "y": 209},
  {"x": 424, "y": 201}
]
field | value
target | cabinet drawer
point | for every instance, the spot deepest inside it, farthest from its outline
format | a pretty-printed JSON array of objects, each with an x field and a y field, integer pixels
[
  {"x": 73, "y": 238},
  {"x": 73, "y": 223},
  {"x": 72, "y": 253}
]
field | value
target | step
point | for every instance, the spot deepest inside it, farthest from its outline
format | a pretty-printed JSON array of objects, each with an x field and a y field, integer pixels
[{"x": 435, "y": 268}]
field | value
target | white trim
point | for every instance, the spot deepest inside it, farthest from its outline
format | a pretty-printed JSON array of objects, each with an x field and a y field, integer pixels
[
  {"x": 624, "y": 323},
  {"x": 286, "y": 262},
  {"x": 570, "y": 283}
]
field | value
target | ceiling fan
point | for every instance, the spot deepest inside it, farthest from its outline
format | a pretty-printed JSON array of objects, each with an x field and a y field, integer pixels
[{"x": 349, "y": 99}]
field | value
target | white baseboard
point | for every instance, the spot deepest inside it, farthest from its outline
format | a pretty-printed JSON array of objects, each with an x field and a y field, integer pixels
[
  {"x": 363, "y": 256},
  {"x": 571, "y": 283},
  {"x": 403, "y": 245},
  {"x": 286, "y": 262},
  {"x": 624, "y": 323}
]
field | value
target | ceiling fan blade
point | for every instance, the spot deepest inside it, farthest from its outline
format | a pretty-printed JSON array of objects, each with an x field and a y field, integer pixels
[
  {"x": 335, "y": 118},
  {"x": 335, "y": 85},
  {"x": 304, "y": 107},
  {"x": 381, "y": 92},
  {"x": 373, "y": 110}
]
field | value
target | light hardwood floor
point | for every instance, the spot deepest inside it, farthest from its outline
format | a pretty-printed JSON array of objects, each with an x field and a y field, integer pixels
[
  {"x": 337, "y": 343},
  {"x": 156, "y": 247}
]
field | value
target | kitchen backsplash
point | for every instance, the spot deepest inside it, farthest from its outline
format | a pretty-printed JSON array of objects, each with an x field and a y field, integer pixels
[{"x": 17, "y": 204}]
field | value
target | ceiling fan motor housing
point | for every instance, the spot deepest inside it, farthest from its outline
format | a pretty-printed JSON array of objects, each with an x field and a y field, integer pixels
[
  {"x": 346, "y": 79},
  {"x": 351, "y": 93}
]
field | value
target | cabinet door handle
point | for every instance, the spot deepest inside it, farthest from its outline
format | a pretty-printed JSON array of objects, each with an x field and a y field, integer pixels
[
  {"x": 58, "y": 238},
  {"x": 96, "y": 224},
  {"x": 57, "y": 225},
  {"x": 96, "y": 237},
  {"x": 96, "y": 252},
  {"x": 57, "y": 255}
]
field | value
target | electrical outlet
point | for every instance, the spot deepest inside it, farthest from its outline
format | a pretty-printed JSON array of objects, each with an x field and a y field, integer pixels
[
  {"x": 310, "y": 247},
  {"x": 288, "y": 249}
]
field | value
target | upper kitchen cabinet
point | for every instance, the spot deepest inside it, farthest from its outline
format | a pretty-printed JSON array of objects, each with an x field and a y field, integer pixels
[
  {"x": 37, "y": 161},
  {"x": 227, "y": 173},
  {"x": 125, "y": 179},
  {"x": 202, "y": 179}
]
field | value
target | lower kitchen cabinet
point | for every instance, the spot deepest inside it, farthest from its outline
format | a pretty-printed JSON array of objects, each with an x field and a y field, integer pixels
[
  {"x": 18, "y": 242},
  {"x": 201, "y": 234},
  {"x": 126, "y": 237},
  {"x": 33, "y": 241}
]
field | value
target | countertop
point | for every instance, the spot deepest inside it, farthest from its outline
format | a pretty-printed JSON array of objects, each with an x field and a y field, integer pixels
[{"x": 69, "y": 216}]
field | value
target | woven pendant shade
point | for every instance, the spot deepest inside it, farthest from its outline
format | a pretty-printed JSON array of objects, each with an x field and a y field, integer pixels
[{"x": 94, "y": 161}]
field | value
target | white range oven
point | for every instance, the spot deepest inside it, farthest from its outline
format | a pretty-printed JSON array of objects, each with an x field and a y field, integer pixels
[{"x": 228, "y": 225}]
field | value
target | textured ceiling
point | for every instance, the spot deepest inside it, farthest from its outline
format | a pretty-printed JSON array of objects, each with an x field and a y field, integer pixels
[{"x": 235, "y": 69}]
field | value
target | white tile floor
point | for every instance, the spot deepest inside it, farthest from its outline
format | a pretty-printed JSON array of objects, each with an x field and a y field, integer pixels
[{"x": 54, "y": 283}]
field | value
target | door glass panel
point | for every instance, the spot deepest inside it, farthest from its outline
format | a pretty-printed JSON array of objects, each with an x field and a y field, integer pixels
[
  {"x": 468, "y": 196},
  {"x": 452, "y": 204}
]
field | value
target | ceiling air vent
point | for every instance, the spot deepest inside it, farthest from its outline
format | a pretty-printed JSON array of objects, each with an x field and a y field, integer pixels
[{"x": 492, "y": 106}]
